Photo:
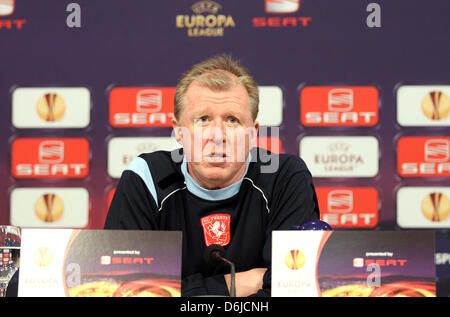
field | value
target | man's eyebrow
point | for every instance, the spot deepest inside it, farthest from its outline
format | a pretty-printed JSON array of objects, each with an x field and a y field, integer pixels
[
  {"x": 232, "y": 113},
  {"x": 200, "y": 112}
]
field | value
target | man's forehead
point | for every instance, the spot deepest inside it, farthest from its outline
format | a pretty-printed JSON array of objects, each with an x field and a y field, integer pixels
[
  {"x": 212, "y": 83},
  {"x": 199, "y": 90}
]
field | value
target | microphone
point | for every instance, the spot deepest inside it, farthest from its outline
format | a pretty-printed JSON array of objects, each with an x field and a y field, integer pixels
[
  {"x": 313, "y": 225},
  {"x": 214, "y": 254}
]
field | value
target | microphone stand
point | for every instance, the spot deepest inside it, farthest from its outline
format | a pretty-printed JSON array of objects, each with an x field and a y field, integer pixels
[{"x": 233, "y": 275}]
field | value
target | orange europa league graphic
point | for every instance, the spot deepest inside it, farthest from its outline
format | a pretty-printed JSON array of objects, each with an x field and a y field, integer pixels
[
  {"x": 436, "y": 207},
  {"x": 51, "y": 107},
  {"x": 436, "y": 105},
  {"x": 43, "y": 256},
  {"x": 295, "y": 259},
  {"x": 49, "y": 207}
]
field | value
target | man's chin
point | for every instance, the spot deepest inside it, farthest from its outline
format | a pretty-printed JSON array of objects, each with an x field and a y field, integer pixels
[
  {"x": 216, "y": 179},
  {"x": 214, "y": 175}
]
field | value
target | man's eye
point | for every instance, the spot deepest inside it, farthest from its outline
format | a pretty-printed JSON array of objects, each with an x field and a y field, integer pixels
[
  {"x": 201, "y": 119},
  {"x": 233, "y": 120}
]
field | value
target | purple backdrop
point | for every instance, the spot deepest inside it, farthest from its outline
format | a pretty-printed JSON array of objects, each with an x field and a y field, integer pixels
[{"x": 136, "y": 43}]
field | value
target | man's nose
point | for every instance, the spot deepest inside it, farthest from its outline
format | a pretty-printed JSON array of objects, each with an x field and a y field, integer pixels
[{"x": 216, "y": 132}]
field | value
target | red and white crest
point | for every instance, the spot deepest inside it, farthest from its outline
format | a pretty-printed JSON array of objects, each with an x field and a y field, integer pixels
[{"x": 216, "y": 229}]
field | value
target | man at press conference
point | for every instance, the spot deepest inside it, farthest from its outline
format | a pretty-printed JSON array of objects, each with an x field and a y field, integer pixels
[{"x": 219, "y": 188}]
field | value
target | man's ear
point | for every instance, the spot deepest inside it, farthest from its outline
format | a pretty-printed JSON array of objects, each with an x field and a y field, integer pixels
[
  {"x": 256, "y": 128},
  {"x": 252, "y": 133},
  {"x": 178, "y": 131},
  {"x": 255, "y": 131}
]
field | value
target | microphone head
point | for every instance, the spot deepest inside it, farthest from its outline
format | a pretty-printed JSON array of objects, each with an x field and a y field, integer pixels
[
  {"x": 210, "y": 251},
  {"x": 313, "y": 225}
]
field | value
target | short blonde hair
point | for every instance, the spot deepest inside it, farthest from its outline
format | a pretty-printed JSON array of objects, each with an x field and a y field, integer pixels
[{"x": 214, "y": 73}]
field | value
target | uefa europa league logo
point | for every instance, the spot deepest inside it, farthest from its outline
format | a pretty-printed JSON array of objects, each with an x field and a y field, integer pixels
[
  {"x": 51, "y": 107},
  {"x": 49, "y": 208},
  {"x": 436, "y": 105},
  {"x": 295, "y": 259}
]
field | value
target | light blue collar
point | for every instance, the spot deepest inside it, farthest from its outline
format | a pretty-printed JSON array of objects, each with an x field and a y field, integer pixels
[{"x": 212, "y": 194}]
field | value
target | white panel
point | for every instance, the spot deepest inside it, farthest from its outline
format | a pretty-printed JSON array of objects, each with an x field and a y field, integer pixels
[
  {"x": 409, "y": 106},
  {"x": 75, "y": 112},
  {"x": 270, "y": 106},
  {"x": 300, "y": 282},
  {"x": 411, "y": 213},
  {"x": 74, "y": 212},
  {"x": 340, "y": 156}
]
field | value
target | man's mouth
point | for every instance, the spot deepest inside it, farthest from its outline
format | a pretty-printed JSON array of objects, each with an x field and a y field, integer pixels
[{"x": 216, "y": 158}]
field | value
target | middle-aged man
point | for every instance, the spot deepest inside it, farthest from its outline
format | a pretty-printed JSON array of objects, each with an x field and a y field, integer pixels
[{"x": 217, "y": 189}]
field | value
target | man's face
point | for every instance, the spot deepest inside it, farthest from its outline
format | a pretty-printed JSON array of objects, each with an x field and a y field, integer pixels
[{"x": 216, "y": 131}]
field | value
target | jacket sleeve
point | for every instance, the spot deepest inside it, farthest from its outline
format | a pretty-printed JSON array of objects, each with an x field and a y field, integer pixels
[
  {"x": 132, "y": 206},
  {"x": 198, "y": 285},
  {"x": 293, "y": 202}
]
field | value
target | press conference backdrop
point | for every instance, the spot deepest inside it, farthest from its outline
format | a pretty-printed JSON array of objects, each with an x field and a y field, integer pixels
[{"x": 359, "y": 89}]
